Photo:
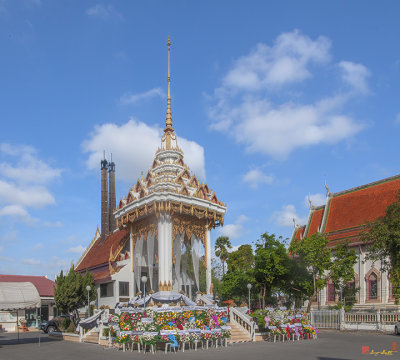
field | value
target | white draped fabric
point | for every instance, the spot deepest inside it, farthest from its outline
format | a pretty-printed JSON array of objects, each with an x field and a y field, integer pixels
[
  {"x": 196, "y": 253},
  {"x": 150, "y": 256},
  {"x": 139, "y": 261},
  {"x": 177, "y": 254}
]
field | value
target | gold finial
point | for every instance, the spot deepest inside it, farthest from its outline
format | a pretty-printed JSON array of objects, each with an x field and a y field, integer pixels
[{"x": 168, "y": 121}]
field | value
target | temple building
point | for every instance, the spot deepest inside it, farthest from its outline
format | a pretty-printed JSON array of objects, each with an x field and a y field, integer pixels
[
  {"x": 162, "y": 232},
  {"x": 343, "y": 217}
]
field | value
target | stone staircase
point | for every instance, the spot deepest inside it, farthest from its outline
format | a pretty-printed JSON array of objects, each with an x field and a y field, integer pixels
[
  {"x": 92, "y": 338},
  {"x": 238, "y": 335}
]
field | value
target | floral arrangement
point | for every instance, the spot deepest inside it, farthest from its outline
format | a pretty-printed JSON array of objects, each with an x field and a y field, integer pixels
[
  {"x": 122, "y": 338},
  {"x": 151, "y": 322},
  {"x": 113, "y": 319},
  {"x": 184, "y": 337},
  {"x": 150, "y": 338},
  {"x": 206, "y": 335},
  {"x": 281, "y": 321}
]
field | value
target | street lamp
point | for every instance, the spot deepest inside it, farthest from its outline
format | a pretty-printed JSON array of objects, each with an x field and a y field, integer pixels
[
  {"x": 249, "y": 286},
  {"x": 88, "y": 288},
  {"x": 144, "y": 281}
]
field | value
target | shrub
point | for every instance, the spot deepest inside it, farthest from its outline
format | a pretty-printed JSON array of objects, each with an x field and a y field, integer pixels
[
  {"x": 106, "y": 332},
  {"x": 71, "y": 328},
  {"x": 65, "y": 323}
]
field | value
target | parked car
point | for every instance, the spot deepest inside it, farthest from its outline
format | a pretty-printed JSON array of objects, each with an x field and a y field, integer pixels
[
  {"x": 397, "y": 328},
  {"x": 52, "y": 325}
]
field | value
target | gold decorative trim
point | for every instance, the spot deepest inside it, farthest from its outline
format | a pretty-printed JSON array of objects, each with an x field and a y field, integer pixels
[{"x": 213, "y": 218}]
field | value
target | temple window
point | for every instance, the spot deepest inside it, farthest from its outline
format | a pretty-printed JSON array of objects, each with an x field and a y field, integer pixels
[
  {"x": 107, "y": 290},
  {"x": 123, "y": 288},
  {"x": 372, "y": 286},
  {"x": 331, "y": 292}
]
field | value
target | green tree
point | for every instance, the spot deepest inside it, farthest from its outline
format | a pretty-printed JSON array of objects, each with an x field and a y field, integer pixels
[
  {"x": 222, "y": 244},
  {"x": 382, "y": 238},
  {"x": 315, "y": 256},
  {"x": 70, "y": 292},
  {"x": 240, "y": 273},
  {"x": 242, "y": 259},
  {"x": 342, "y": 267},
  {"x": 298, "y": 285},
  {"x": 234, "y": 286},
  {"x": 271, "y": 264}
]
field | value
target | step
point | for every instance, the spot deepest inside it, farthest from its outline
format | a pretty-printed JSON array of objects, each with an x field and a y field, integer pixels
[{"x": 238, "y": 335}]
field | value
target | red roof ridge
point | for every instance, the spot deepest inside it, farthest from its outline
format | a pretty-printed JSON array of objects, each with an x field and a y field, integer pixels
[
  {"x": 99, "y": 252},
  {"x": 360, "y": 187}
]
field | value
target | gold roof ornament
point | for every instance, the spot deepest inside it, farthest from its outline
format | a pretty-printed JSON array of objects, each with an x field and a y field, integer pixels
[{"x": 168, "y": 121}]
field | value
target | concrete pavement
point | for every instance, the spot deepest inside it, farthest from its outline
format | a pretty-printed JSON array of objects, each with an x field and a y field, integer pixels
[{"x": 331, "y": 345}]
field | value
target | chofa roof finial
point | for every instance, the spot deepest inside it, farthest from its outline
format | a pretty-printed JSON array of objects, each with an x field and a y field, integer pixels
[{"x": 326, "y": 187}]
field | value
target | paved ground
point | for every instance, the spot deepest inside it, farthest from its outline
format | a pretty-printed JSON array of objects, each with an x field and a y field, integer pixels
[{"x": 331, "y": 345}]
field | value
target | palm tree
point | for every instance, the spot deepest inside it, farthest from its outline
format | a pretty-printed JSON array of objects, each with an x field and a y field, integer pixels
[{"x": 222, "y": 244}]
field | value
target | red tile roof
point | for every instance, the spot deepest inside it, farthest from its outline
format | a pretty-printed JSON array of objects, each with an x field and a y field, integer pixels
[
  {"x": 101, "y": 276},
  {"x": 99, "y": 253},
  {"x": 348, "y": 211},
  {"x": 299, "y": 233},
  {"x": 315, "y": 221},
  {"x": 44, "y": 286},
  {"x": 356, "y": 207}
]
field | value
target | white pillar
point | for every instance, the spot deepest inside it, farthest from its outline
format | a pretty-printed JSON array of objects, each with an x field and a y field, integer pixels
[
  {"x": 208, "y": 256},
  {"x": 168, "y": 248},
  {"x": 161, "y": 251},
  {"x": 363, "y": 290},
  {"x": 132, "y": 283}
]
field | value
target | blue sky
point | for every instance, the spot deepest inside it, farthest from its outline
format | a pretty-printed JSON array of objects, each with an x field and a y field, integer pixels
[{"x": 268, "y": 98}]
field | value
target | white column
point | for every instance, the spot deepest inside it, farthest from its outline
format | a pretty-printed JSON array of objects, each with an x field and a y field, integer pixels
[
  {"x": 363, "y": 290},
  {"x": 161, "y": 251},
  {"x": 168, "y": 248},
  {"x": 132, "y": 283},
  {"x": 208, "y": 256}
]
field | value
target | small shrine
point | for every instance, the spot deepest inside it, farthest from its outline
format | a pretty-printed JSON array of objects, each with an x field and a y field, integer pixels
[{"x": 169, "y": 214}]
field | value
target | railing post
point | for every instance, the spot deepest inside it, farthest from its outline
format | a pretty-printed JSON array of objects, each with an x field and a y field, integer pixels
[
  {"x": 378, "y": 319},
  {"x": 341, "y": 321}
]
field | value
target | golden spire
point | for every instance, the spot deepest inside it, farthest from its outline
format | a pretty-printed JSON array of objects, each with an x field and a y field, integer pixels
[{"x": 168, "y": 121}]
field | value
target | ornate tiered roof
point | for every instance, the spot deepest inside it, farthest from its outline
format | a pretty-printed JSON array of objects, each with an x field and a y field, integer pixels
[
  {"x": 346, "y": 213},
  {"x": 169, "y": 185}
]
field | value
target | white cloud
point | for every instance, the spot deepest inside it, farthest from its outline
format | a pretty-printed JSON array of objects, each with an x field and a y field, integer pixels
[
  {"x": 17, "y": 212},
  {"x": 53, "y": 224},
  {"x": 76, "y": 249},
  {"x": 235, "y": 230},
  {"x": 287, "y": 61},
  {"x": 104, "y": 12},
  {"x": 6, "y": 258},
  {"x": 133, "y": 146},
  {"x": 31, "y": 261},
  {"x": 245, "y": 109},
  {"x": 285, "y": 216},
  {"x": 133, "y": 98},
  {"x": 30, "y": 196},
  {"x": 355, "y": 75},
  {"x": 256, "y": 177},
  {"x": 316, "y": 199},
  {"x": 23, "y": 181}
]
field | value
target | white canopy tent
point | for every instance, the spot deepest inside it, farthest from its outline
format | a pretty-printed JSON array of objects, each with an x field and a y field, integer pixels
[{"x": 16, "y": 296}]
